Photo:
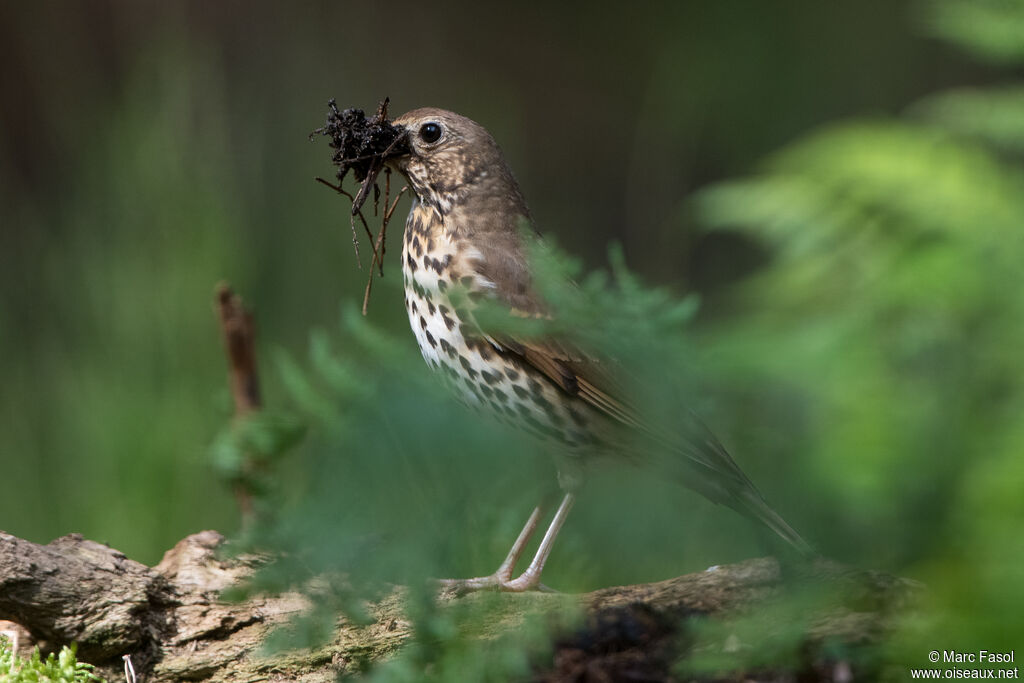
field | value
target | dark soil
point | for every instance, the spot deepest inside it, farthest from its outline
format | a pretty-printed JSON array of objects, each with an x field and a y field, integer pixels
[{"x": 361, "y": 144}]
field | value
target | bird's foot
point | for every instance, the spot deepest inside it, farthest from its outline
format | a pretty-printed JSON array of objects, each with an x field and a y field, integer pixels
[{"x": 528, "y": 581}]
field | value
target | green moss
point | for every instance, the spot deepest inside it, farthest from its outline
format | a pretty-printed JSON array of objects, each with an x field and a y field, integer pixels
[{"x": 56, "y": 668}]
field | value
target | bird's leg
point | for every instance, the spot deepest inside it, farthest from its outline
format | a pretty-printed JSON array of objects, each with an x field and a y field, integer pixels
[
  {"x": 530, "y": 579},
  {"x": 504, "y": 572}
]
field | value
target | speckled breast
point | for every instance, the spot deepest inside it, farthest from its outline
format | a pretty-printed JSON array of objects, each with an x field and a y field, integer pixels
[{"x": 434, "y": 266}]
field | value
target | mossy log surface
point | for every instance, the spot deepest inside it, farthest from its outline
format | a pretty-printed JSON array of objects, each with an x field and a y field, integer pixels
[{"x": 172, "y": 622}]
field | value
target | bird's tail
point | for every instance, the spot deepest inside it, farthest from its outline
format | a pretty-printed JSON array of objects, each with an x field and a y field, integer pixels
[{"x": 751, "y": 503}]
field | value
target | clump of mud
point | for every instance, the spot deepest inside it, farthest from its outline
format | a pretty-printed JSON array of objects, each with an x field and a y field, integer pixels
[{"x": 363, "y": 145}]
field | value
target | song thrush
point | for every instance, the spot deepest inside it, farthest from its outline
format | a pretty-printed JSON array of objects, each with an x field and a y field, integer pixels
[{"x": 465, "y": 232}]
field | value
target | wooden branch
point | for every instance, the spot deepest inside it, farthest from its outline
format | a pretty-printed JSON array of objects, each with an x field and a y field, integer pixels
[
  {"x": 240, "y": 343},
  {"x": 239, "y": 334},
  {"x": 79, "y": 590},
  {"x": 170, "y": 620}
]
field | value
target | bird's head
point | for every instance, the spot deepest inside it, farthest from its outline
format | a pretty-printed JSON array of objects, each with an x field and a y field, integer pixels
[{"x": 449, "y": 158}]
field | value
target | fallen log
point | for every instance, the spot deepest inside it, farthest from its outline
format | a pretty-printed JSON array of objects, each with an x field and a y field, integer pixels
[{"x": 171, "y": 621}]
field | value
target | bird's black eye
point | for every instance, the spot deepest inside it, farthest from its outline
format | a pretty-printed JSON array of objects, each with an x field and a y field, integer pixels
[{"x": 430, "y": 132}]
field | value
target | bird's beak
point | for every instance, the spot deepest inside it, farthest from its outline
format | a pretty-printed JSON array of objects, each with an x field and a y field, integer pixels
[
  {"x": 399, "y": 147},
  {"x": 398, "y": 151}
]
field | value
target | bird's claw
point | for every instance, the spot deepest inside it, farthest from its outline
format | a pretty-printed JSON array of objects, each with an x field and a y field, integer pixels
[{"x": 525, "y": 583}]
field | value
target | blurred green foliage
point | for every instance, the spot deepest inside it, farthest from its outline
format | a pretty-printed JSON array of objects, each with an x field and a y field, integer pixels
[
  {"x": 892, "y": 315},
  {"x": 394, "y": 486},
  {"x": 399, "y": 484},
  {"x": 990, "y": 29}
]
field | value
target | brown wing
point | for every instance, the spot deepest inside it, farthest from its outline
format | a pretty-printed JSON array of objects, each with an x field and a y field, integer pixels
[
  {"x": 593, "y": 382},
  {"x": 575, "y": 373},
  {"x": 590, "y": 379}
]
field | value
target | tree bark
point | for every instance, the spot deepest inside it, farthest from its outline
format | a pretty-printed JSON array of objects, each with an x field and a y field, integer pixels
[{"x": 172, "y": 623}]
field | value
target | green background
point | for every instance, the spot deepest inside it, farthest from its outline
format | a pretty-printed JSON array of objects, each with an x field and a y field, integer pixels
[{"x": 860, "y": 320}]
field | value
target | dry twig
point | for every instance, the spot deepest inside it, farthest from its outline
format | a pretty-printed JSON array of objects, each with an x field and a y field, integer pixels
[
  {"x": 363, "y": 145},
  {"x": 238, "y": 331}
]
